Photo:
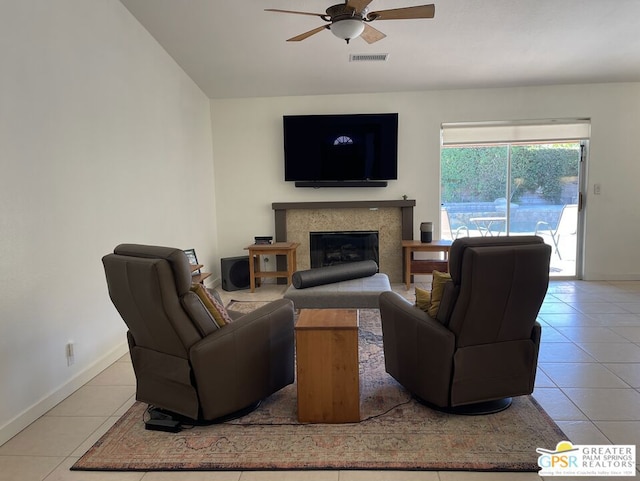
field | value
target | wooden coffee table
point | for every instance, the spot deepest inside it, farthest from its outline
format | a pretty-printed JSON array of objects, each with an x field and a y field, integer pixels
[{"x": 327, "y": 366}]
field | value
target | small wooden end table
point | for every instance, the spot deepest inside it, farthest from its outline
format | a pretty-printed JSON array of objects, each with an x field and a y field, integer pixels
[
  {"x": 287, "y": 249},
  {"x": 198, "y": 277},
  {"x": 424, "y": 266},
  {"x": 327, "y": 366}
]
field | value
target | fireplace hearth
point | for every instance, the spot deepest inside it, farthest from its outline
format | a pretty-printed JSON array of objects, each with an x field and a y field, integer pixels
[{"x": 330, "y": 248}]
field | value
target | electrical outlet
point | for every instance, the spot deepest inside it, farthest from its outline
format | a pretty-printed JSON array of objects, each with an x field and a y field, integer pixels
[
  {"x": 596, "y": 189},
  {"x": 71, "y": 359},
  {"x": 268, "y": 265}
]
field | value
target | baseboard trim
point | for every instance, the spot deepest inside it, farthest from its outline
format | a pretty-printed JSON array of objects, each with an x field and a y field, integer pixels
[
  {"x": 598, "y": 276},
  {"x": 29, "y": 415}
]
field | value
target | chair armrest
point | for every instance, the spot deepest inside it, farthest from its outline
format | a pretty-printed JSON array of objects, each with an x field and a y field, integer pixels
[
  {"x": 246, "y": 360},
  {"x": 236, "y": 314},
  {"x": 399, "y": 310},
  {"x": 418, "y": 349}
]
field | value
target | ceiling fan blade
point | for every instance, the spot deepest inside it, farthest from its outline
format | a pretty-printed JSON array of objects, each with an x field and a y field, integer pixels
[
  {"x": 321, "y": 15},
  {"x": 371, "y": 34},
  {"x": 358, "y": 5},
  {"x": 308, "y": 34},
  {"x": 422, "y": 11}
]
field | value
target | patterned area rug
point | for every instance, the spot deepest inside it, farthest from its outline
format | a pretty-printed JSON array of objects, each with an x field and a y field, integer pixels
[
  {"x": 395, "y": 432},
  {"x": 244, "y": 307}
]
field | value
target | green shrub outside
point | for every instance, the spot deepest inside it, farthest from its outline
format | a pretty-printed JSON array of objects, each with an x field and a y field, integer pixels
[{"x": 478, "y": 173}]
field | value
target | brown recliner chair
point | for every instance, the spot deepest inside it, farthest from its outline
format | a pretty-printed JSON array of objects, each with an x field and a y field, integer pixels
[
  {"x": 482, "y": 348},
  {"x": 184, "y": 364}
]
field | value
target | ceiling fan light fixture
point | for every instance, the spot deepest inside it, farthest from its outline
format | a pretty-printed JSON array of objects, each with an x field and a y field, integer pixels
[{"x": 347, "y": 28}]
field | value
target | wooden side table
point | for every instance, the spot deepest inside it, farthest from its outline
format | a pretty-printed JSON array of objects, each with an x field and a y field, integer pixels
[
  {"x": 287, "y": 249},
  {"x": 327, "y": 366},
  {"x": 424, "y": 266},
  {"x": 199, "y": 277}
]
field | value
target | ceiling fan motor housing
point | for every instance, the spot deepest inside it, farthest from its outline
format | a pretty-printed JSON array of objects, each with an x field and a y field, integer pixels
[{"x": 342, "y": 11}]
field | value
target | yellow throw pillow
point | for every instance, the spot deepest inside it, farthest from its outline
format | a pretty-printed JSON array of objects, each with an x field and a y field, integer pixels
[
  {"x": 423, "y": 299},
  {"x": 216, "y": 309},
  {"x": 437, "y": 289}
]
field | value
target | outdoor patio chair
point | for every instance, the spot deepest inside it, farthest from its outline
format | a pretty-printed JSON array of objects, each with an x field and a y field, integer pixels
[
  {"x": 567, "y": 225},
  {"x": 445, "y": 226}
]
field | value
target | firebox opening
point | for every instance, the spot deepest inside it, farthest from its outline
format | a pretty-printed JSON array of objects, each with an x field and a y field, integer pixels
[{"x": 330, "y": 248}]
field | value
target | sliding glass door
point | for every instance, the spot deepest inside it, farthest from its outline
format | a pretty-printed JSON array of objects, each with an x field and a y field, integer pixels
[{"x": 515, "y": 188}]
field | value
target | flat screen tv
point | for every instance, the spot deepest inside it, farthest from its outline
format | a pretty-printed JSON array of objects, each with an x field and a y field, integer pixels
[{"x": 341, "y": 150}]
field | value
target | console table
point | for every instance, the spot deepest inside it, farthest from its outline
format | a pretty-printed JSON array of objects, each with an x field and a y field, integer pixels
[
  {"x": 424, "y": 266},
  {"x": 287, "y": 249}
]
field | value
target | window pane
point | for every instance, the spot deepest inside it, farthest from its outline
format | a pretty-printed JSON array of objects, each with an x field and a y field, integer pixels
[{"x": 474, "y": 188}]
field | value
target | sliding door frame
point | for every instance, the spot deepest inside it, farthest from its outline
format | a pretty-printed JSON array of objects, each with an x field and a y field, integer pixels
[{"x": 525, "y": 133}]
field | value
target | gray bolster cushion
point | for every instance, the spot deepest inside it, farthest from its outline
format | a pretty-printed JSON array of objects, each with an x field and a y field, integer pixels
[{"x": 335, "y": 273}]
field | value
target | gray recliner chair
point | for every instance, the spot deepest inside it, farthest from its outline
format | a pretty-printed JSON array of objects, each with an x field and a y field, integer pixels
[
  {"x": 184, "y": 364},
  {"x": 482, "y": 347}
]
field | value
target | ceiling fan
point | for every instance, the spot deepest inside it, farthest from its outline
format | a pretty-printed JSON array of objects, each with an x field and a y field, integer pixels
[{"x": 351, "y": 19}]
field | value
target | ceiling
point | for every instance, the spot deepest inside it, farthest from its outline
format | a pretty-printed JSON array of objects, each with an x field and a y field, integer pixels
[{"x": 234, "y": 48}]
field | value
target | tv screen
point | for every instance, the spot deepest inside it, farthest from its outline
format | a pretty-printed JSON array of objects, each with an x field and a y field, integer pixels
[{"x": 360, "y": 147}]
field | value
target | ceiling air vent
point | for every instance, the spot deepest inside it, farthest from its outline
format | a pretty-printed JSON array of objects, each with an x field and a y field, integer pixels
[{"x": 368, "y": 57}]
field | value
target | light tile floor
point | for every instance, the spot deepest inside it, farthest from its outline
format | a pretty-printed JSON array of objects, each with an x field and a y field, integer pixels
[{"x": 588, "y": 381}]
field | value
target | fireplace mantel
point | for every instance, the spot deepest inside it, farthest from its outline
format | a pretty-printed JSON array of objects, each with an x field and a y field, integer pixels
[
  {"x": 343, "y": 204},
  {"x": 393, "y": 218},
  {"x": 406, "y": 207}
]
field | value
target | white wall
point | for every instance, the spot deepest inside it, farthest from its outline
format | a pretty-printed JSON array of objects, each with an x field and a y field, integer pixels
[
  {"x": 103, "y": 140},
  {"x": 248, "y": 158}
]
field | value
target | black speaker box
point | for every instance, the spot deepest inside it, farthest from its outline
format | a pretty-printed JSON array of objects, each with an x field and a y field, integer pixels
[{"x": 235, "y": 273}]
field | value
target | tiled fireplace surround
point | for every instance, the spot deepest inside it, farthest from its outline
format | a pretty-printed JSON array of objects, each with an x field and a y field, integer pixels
[{"x": 392, "y": 219}]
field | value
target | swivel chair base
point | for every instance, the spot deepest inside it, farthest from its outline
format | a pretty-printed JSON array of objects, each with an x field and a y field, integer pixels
[
  {"x": 475, "y": 409},
  {"x": 163, "y": 420}
]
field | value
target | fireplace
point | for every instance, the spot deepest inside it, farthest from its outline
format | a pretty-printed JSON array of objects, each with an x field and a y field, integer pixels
[
  {"x": 330, "y": 248},
  {"x": 392, "y": 219}
]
